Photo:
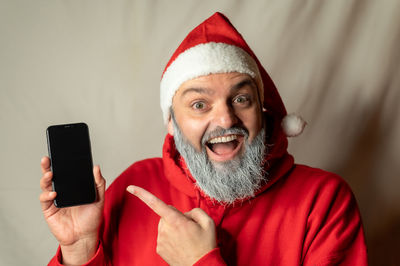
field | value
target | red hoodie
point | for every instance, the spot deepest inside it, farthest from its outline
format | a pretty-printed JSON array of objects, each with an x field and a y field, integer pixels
[{"x": 302, "y": 216}]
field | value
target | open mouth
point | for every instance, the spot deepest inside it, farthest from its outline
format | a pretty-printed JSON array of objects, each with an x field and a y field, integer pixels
[{"x": 223, "y": 148}]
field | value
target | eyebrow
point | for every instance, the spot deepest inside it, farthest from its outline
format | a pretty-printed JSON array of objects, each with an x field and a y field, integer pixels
[
  {"x": 246, "y": 82},
  {"x": 236, "y": 87},
  {"x": 197, "y": 90}
]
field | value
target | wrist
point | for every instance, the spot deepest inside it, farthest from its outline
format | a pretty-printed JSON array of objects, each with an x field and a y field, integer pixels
[{"x": 79, "y": 252}]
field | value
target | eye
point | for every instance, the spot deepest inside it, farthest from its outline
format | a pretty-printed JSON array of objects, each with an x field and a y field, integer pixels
[
  {"x": 198, "y": 105},
  {"x": 241, "y": 99}
]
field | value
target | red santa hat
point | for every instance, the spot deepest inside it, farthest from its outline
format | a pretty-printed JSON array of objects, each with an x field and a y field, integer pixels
[{"x": 215, "y": 46}]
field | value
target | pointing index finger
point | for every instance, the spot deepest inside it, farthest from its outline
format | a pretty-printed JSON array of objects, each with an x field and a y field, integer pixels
[{"x": 166, "y": 212}]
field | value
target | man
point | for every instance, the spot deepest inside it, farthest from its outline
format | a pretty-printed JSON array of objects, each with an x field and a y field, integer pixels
[{"x": 225, "y": 192}]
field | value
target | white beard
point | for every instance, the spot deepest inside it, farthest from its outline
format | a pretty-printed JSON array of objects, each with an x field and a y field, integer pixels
[{"x": 229, "y": 181}]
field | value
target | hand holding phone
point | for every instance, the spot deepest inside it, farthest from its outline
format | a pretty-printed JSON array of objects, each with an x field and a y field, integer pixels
[{"x": 75, "y": 228}]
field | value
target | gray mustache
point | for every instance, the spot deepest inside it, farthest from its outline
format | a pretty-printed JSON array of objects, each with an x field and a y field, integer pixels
[{"x": 219, "y": 131}]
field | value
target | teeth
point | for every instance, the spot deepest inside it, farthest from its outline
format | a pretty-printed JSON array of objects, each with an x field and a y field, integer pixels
[{"x": 223, "y": 139}]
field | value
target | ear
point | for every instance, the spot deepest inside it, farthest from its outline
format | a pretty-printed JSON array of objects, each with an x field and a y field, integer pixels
[{"x": 170, "y": 127}]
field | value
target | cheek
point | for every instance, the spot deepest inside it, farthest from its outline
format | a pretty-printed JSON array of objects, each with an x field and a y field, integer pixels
[
  {"x": 253, "y": 123},
  {"x": 194, "y": 130}
]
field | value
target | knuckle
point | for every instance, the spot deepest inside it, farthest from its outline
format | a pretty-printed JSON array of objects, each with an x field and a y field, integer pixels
[
  {"x": 179, "y": 222},
  {"x": 173, "y": 218},
  {"x": 47, "y": 176},
  {"x": 197, "y": 211},
  {"x": 208, "y": 219},
  {"x": 210, "y": 223},
  {"x": 160, "y": 226},
  {"x": 158, "y": 250},
  {"x": 43, "y": 197},
  {"x": 151, "y": 202},
  {"x": 101, "y": 183},
  {"x": 159, "y": 247}
]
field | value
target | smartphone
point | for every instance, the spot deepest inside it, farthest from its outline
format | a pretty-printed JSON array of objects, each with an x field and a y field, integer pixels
[{"x": 71, "y": 163}]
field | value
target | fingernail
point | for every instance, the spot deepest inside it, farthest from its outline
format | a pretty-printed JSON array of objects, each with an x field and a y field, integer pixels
[{"x": 131, "y": 189}]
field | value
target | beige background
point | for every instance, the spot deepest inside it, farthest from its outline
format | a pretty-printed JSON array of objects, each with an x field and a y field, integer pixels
[{"x": 334, "y": 62}]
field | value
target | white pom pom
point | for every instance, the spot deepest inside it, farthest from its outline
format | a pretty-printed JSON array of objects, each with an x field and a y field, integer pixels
[{"x": 293, "y": 125}]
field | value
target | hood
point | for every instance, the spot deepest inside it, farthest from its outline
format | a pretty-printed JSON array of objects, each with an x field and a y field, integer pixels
[{"x": 178, "y": 174}]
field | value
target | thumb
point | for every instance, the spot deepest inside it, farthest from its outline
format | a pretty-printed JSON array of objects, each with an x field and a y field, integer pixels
[
  {"x": 100, "y": 182},
  {"x": 201, "y": 218}
]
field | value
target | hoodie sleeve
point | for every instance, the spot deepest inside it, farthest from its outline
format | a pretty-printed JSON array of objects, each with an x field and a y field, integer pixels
[
  {"x": 334, "y": 229},
  {"x": 97, "y": 260},
  {"x": 212, "y": 258}
]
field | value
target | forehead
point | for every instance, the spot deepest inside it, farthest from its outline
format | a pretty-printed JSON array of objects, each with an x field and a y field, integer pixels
[{"x": 213, "y": 83}]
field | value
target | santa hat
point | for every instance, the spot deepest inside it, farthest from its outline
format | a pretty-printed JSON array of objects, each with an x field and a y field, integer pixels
[{"x": 215, "y": 46}]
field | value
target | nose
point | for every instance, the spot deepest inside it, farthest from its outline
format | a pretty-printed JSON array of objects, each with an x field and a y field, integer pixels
[{"x": 224, "y": 116}]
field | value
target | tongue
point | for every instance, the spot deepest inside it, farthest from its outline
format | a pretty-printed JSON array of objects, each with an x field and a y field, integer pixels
[{"x": 223, "y": 148}]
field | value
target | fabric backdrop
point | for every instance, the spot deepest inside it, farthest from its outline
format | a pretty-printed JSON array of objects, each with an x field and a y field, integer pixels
[{"x": 334, "y": 62}]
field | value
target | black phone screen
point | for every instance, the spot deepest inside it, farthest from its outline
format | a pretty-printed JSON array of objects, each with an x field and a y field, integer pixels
[{"x": 71, "y": 164}]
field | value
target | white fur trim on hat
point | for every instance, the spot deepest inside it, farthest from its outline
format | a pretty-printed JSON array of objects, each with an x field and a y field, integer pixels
[
  {"x": 293, "y": 125},
  {"x": 201, "y": 60}
]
